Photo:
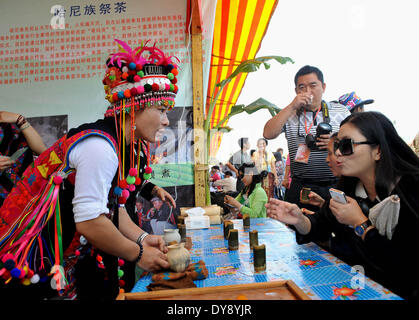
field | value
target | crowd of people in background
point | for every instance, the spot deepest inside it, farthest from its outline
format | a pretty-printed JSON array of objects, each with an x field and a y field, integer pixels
[
  {"x": 248, "y": 179},
  {"x": 222, "y": 179}
]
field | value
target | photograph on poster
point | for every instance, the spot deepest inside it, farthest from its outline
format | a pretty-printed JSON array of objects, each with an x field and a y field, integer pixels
[
  {"x": 50, "y": 128},
  {"x": 154, "y": 216}
]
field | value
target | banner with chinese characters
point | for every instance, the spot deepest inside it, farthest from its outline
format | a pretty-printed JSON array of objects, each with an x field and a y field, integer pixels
[{"x": 52, "y": 56}]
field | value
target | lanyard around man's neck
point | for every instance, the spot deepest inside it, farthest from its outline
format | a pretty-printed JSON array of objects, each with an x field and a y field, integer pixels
[
  {"x": 312, "y": 121},
  {"x": 326, "y": 117}
]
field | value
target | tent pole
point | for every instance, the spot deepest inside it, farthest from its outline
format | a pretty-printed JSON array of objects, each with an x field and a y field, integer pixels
[{"x": 200, "y": 165}]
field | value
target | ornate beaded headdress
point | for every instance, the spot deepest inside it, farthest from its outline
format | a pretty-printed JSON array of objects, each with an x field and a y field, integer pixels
[
  {"x": 139, "y": 77},
  {"x": 136, "y": 79}
]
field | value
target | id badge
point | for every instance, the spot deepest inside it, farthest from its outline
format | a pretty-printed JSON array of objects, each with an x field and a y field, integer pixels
[{"x": 303, "y": 153}]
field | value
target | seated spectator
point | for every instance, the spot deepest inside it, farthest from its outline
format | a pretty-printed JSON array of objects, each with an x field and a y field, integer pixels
[
  {"x": 379, "y": 222},
  {"x": 252, "y": 199},
  {"x": 228, "y": 184},
  {"x": 214, "y": 173},
  {"x": 222, "y": 187}
]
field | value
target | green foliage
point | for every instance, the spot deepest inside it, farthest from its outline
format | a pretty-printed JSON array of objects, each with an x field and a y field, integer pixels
[
  {"x": 249, "y": 109},
  {"x": 247, "y": 66}
]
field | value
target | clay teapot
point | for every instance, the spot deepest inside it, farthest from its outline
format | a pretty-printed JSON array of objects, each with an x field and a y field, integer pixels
[
  {"x": 178, "y": 257},
  {"x": 171, "y": 235}
]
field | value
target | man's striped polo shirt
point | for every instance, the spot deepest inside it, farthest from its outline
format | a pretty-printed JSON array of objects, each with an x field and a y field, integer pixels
[{"x": 316, "y": 168}]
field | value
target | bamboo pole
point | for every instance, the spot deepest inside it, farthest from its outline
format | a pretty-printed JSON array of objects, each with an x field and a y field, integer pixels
[{"x": 200, "y": 165}]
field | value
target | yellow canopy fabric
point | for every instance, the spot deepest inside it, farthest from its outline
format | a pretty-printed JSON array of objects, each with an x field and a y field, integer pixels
[{"x": 239, "y": 28}]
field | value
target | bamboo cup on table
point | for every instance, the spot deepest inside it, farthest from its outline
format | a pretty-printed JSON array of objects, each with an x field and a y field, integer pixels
[
  {"x": 227, "y": 226},
  {"x": 181, "y": 219},
  {"x": 233, "y": 239},
  {"x": 182, "y": 231},
  {"x": 259, "y": 257},
  {"x": 246, "y": 221},
  {"x": 253, "y": 238}
]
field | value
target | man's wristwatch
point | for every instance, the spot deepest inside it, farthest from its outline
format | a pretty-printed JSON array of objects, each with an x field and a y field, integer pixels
[{"x": 360, "y": 229}]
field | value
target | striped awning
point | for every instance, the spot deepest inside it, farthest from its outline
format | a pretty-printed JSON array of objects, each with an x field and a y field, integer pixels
[{"x": 239, "y": 28}]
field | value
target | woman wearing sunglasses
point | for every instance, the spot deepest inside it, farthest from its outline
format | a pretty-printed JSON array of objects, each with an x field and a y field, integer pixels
[
  {"x": 252, "y": 198},
  {"x": 375, "y": 164}
]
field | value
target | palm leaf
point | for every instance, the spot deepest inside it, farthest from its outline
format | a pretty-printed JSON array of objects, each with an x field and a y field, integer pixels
[
  {"x": 249, "y": 109},
  {"x": 225, "y": 129},
  {"x": 247, "y": 66},
  {"x": 253, "y": 65}
]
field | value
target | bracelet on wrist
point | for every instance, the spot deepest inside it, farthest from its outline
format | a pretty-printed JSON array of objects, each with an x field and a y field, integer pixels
[
  {"x": 21, "y": 120},
  {"x": 142, "y": 237},
  {"x": 25, "y": 126},
  {"x": 140, "y": 254}
]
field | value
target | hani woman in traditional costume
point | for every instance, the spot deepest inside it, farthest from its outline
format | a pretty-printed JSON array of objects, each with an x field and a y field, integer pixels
[{"x": 69, "y": 227}]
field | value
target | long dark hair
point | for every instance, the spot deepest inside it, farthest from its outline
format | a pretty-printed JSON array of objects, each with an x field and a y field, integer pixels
[
  {"x": 396, "y": 157},
  {"x": 256, "y": 178}
]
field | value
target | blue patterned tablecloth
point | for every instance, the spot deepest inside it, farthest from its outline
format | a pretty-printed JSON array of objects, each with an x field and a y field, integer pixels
[{"x": 318, "y": 273}]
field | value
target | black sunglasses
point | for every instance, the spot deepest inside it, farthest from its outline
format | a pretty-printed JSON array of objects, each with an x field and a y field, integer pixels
[{"x": 346, "y": 146}]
